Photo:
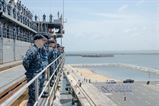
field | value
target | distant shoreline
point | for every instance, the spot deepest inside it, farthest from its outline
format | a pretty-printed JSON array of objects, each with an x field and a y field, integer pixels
[
  {"x": 105, "y": 54},
  {"x": 98, "y": 55}
]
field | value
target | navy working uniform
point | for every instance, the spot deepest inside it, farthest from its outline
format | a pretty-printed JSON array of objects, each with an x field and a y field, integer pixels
[
  {"x": 1, "y": 5},
  {"x": 44, "y": 56},
  {"x": 32, "y": 64},
  {"x": 58, "y": 53},
  {"x": 4, "y": 5},
  {"x": 51, "y": 58}
]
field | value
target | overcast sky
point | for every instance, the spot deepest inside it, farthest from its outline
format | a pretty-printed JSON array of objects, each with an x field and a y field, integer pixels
[{"x": 104, "y": 25}]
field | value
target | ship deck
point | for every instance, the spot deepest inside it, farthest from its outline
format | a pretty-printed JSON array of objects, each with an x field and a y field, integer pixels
[{"x": 11, "y": 76}]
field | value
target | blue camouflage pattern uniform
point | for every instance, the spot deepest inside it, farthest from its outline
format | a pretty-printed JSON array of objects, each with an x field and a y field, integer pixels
[
  {"x": 51, "y": 58},
  {"x": 32, "y": 64},
  {"x": 44, "y": 56},
  {"x": 58, "y": 53},
  {"x": 1, "y": 5}
]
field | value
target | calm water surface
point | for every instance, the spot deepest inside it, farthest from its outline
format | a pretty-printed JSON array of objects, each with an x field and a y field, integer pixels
[{"x": 120, "y": 73}]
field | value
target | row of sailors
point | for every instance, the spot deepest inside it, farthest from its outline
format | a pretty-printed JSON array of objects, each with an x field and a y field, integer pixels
[
  {"x": 16, "y": 7},
  {"x": 15, "y": 32},
  {"x": 43, "y": 52},
  {"x": 17, "y": 11}
]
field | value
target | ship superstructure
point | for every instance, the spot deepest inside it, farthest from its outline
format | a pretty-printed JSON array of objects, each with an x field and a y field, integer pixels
[{"x": 17, "y": 29}]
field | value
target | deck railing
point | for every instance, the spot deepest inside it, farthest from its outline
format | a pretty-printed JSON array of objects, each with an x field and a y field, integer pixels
[{"x": 51, "y": 90}]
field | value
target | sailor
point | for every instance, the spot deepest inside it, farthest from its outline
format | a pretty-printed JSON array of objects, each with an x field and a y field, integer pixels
[
  {"x": 62, "y": 52},
  {"x": 44, "y": 56},
  {"x": 1, "y": 5},
  {"x": 44, "y": 17},
  {"x": 58, "y": 53},
  {"x": 50, "y": 20},
  {"x": 4, "y": 5},
  {"x": 19, "y": 5},
  {"x": 9, "y": 8},
  {"x": 18, "y": 16},
  {"x": 51, "y": 58},
  {"x": 32, "y": 64},
  {"x": 62, "y": 49},
  {"x": 58, "y": 50},
  {"x": 21, "y": 20},
  {"x": 14, "y": 12}
]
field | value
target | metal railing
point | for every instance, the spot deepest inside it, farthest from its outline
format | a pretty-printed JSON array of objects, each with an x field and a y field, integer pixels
[{"x": 48, "y": 102}]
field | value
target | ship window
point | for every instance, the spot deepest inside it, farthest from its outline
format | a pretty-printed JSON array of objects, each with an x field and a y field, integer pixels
[
  {"x": 4, "y": 31},
  {"x": 25, "y": 36},
  {"x": 29, "y": 36},
  {"x": 14, "y": 33},
  {"x": 11, "y": 33},
  {"x": 8, "y": 36},
  {"x": 0, "y": 30},
  {"x": 22, "y": 35},
  {"x": 18, "y": 33}
]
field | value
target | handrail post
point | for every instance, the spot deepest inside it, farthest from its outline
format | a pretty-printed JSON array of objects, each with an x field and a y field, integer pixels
[
  {"x": 49, "y": 94},
  {"x": 36, "y": 91},
  {"x": 48, "y": 86}
]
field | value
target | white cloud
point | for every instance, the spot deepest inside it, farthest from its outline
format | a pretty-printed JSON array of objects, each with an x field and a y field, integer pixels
[
  {"x": 140, "y": 2},
  {"x": 112, "y": 15},
  {"x": 109, "y": 34},
  {"x": 128, "y": 30},
  {"x": 123, "y": 8}
]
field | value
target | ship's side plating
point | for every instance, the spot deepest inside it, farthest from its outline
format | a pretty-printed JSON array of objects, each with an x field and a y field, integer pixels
[
  {"x": 15, "y": 34},
  {"x": 17, "y": 29}
]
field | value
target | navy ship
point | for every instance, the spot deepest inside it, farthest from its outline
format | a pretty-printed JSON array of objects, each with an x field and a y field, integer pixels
[
  {"x": 72, "y": 86},
  {"x": 18, "y": 26},
  {"x": 17, "y": 29}
]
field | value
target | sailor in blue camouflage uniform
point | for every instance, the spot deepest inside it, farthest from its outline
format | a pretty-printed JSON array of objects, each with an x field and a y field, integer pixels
[
  {"x": 1, "y": 5},
  {"x": 58, "y": 53},
  {"x": 52, "y": 57},
  {"x": 32, "y": 64},
  {"x": 58, "y": 50},
  {"x": 44, "y": 56}
]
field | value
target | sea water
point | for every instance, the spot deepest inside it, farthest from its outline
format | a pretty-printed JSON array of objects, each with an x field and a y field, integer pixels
[{"x": 151, "y": 61}]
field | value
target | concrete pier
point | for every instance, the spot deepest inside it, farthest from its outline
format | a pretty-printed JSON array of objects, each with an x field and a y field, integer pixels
[{"x": 87, "y": 94}]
